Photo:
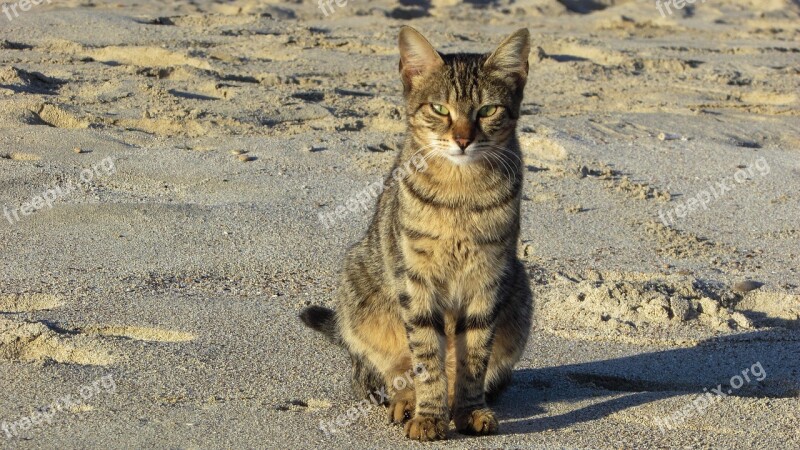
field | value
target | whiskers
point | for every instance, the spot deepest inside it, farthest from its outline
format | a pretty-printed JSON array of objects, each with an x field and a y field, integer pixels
[
  {"x": 510, "y": 161},
  {"x": 438, "y": 145},
  {"x": 501, "y": 160}
]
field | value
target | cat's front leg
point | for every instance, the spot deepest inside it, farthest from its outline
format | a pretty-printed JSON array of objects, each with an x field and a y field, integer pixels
[
  {"x": 424, "y": 322},
  {"x": 474, "y": 335}
]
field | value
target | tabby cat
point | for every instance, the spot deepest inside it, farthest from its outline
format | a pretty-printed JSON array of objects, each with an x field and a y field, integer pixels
[{"x": 435, "y": 286}]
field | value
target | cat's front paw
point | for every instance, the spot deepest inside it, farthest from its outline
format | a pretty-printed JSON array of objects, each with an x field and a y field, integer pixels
[
  {"x": 401, "y": 407},
  {"x": 426, "y": 429},
  {"x": 477, "y": 422}
]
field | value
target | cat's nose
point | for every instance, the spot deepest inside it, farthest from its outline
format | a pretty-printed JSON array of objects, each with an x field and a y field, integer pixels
[{"x": 463, "y": 142}]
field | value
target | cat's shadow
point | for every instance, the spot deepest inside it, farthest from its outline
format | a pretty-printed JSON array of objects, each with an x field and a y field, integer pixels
[{"x": 769, "y": 360}]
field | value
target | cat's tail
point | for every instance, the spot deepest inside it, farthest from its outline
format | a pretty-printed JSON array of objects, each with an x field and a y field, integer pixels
[{"x": 323, "y": 320}]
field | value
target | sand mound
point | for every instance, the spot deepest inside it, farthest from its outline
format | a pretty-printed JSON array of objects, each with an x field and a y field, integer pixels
[
  {"x": 542, "y": 148},
  {"x": 146, "y": 56},
  {"x": 656, "y": 308},
  {"x": 677, "y": 243},
  {"x": 771, "y": 309},
  {"x": 59, "y": 117}
]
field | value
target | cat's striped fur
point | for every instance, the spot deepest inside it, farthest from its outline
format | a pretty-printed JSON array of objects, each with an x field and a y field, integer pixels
[{"x": 436, "y": 282}]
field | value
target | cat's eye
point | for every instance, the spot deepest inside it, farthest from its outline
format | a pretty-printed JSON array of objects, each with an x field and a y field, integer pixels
[
  {"x": 440, "y": 109},
  {"x": 487, "y": 111}
]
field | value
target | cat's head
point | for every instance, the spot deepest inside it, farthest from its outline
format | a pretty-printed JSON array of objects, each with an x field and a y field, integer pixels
[{"x": 463, "y": 107}]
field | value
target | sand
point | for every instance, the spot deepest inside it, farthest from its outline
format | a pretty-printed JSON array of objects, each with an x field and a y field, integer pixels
[{"x": 151, "y": 278}]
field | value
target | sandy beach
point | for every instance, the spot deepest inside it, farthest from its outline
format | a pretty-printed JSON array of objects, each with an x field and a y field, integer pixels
[{"x": 170, "y": 172}]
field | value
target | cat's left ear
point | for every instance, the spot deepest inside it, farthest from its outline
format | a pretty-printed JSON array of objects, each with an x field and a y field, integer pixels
[{"x": 511, "y": 57}]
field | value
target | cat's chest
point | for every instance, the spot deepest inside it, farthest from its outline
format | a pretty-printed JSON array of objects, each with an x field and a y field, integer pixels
[
  {"x": 459, "y": 247},
  {"x": 454, "y": 230},
  {"x": 459, "y": 214},
  {"x": 448, "y": 241},
  {"x": 462, "y": 229},
  {"x": 459, "y": 252}
]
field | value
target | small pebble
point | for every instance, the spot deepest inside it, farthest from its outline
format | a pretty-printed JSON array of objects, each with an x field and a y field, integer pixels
[
  {"x": 238, "y": 152},
  {"x": 574, "y": 209},
  {"x": 668, "y": 136},
  {"x": 246, "y": 158},
  {"x": 746, "y": 286},
  {"x": 527, "y": 250},
  {"x": 77, "y": 150}
]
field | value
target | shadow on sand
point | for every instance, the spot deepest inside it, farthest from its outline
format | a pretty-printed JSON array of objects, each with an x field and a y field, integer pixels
[{"x": 648, "y": 377}]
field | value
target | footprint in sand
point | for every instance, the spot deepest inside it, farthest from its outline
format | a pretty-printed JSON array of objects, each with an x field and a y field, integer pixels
[
  {"x": 19, "y": 80},
  {"x": 23, "y": 340},
  {"x": 35, "y": 342}
]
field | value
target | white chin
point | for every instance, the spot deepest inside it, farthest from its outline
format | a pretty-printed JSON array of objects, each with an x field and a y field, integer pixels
[{"x": 461, "y": 159}]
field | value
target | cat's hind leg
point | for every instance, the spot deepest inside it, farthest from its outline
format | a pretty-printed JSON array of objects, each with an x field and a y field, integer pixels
[
  {"x": 381, "y": 360},
  {"x": 365, "y": 379},
  {"x": 511, "y": 334}
]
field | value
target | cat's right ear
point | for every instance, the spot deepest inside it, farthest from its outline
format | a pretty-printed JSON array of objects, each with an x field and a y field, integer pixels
[{"x": 417, "y": 56}]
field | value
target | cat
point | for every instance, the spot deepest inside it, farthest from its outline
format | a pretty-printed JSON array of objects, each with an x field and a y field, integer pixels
[{"x": 436, "y": 286}]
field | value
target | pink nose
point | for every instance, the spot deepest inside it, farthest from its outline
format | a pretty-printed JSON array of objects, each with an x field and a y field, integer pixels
[{"x": 463, "y": 142}]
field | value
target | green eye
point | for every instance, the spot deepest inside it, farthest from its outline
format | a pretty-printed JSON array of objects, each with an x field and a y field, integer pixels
[
  {"x": 487, "y": 111},
  {"x": 440, "y": 109}
]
